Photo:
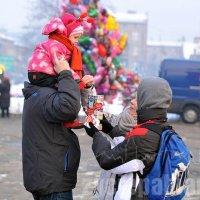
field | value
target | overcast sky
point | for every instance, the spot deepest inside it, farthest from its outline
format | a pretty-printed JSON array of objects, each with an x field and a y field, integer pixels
[{"x": 167, "y": 19}]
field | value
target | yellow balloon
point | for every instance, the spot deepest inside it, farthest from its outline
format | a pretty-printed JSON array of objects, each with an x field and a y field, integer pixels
[
  {"x": 123, "y": 40},
  {"x": 2, "y": 69},
  {"x": 112, "y": 24}
]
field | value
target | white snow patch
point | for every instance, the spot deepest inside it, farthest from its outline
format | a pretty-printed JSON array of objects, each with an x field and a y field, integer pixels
[
  {"x": 3, "y": 176},
  {"x": 17, "y": 99},
  {"x": 188, "y": 49},
  {"x": 16, "y": 105}
]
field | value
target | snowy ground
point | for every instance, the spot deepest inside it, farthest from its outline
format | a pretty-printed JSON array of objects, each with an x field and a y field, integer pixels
[{"x": 11, "y": 181}]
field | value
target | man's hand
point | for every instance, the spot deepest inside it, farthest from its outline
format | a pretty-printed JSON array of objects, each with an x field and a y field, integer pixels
[
  {"x": 88, "y": 80},
  {"x": 92, "y": 130},
  {"x": 106, "y": 125},
  {"x": 61, "y": 64}
]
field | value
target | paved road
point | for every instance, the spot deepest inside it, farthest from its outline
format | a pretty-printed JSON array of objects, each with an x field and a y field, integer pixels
[{"x": 11, "y": 183}]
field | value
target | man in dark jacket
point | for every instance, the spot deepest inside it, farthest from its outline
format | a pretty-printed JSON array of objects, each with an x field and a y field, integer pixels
[
  {"x": 153, "y": 98},
  {"x": 5, "y": 96},
  {"x": 51, "y": 153}
]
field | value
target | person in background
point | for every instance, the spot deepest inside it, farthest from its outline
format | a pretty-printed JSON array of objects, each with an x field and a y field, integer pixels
[{"x": 5, "y": 97}]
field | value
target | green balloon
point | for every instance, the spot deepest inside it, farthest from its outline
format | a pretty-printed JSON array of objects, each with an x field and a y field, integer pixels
[
  {"x": 86, "y": 58},
  {"x": 116, "y": 62},
  {"x": 84, "y": 40},
  {"x": 93, "y": 12},
  {"x": 89, "y": 64},
  {"x": 91, "y": 67}
]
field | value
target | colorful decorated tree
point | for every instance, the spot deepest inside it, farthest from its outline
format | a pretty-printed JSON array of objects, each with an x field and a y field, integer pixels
[{"x": 101, "y": 46}]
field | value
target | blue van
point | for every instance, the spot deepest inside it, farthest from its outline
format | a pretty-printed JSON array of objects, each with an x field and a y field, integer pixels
[{"x": 184, "y": 79}]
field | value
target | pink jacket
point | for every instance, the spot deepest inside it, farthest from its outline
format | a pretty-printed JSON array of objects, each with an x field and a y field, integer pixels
[{"x": 42, "y": 59}]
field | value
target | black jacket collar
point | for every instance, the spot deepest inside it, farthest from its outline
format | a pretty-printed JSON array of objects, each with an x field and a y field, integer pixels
[{"x": 29, "y": 89}]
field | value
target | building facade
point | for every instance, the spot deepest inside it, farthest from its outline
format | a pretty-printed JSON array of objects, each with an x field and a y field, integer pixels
[
  {"x": 13, "y": 57},
  {"x": 135, "y": 54},
  {"x": 196, "y": 52},
  {"x": 157, "y": 51}
]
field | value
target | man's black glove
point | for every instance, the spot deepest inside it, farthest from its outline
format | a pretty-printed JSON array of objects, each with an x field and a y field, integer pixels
[
  {"x": 92, "y": 130},
  {"x": 106, "y": 125}
]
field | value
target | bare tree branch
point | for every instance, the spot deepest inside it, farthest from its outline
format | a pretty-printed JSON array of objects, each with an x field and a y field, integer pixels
[{"x": 40, "y": 11}]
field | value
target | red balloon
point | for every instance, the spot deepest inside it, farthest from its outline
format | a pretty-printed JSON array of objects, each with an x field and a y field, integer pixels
[
  {"x": 102, "y": 50},
  {"x": 74, "y": 1}
]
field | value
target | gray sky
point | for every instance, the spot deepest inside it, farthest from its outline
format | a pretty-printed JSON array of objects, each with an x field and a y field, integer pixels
[
  {"x": 168, "y": 19},
  {"x": 13, "y": 14}
]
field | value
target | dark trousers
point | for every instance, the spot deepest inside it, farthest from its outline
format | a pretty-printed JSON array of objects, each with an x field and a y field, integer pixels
[
  {"x": 5, "y": 112},
  {"x": 55, "y": 196}
]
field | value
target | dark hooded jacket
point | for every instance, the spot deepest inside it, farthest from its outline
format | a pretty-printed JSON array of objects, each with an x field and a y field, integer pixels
[
  {"x": 50, "y": 152},
  {"x": 153, "y": 98},
  {"x": 5, "y": 93}
]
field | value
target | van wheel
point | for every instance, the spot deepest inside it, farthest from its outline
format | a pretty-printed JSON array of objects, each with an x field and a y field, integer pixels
[{"x": 190, "y": 114}]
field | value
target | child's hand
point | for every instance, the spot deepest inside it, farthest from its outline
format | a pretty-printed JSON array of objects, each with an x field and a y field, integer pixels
[
  {"x": 133, "y": 106},
  {"x": 88, "y": 80},
  {"x": 61, "y": 64}
]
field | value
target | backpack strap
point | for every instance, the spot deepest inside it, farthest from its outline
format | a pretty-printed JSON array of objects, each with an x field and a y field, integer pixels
[{"x": 142, "y": 129}]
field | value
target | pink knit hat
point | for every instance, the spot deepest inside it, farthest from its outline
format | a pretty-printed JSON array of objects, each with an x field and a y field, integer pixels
[
  {"x": 73, "y": 24},
  {"x": 67, "y": 24}
]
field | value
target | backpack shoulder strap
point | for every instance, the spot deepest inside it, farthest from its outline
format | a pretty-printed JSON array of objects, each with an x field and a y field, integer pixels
[{"x": 142, "y": 129}]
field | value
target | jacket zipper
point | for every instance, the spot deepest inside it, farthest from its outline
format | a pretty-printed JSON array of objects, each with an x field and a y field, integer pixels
[{"x": 66, "y": 163}]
